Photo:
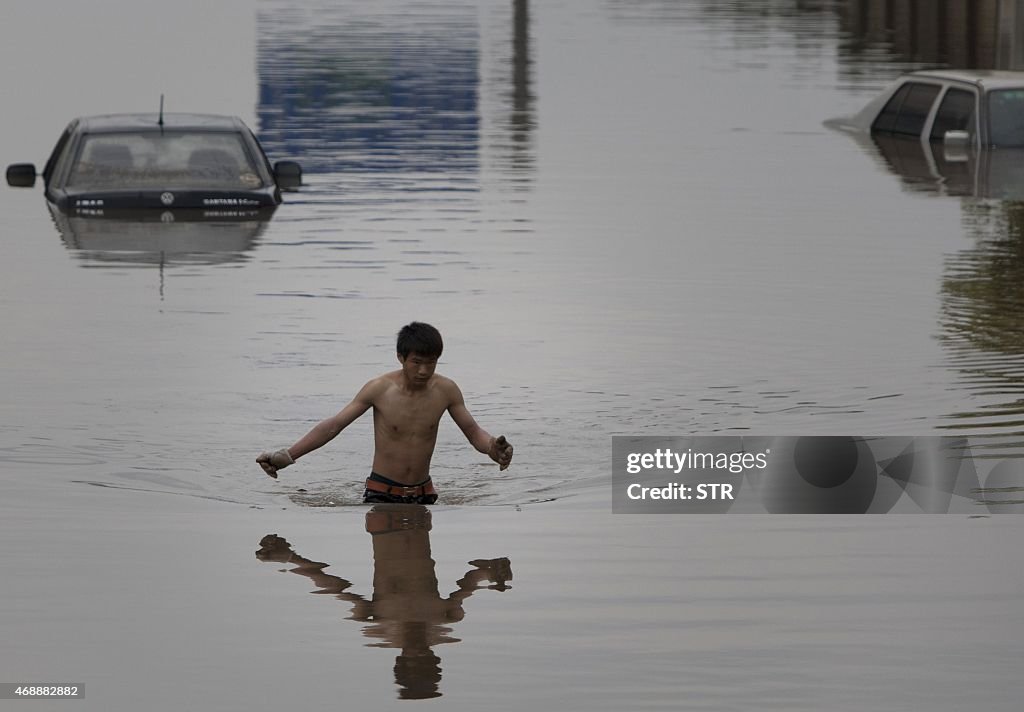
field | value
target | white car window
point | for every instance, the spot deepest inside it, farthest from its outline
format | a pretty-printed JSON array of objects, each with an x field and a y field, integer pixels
[
  {"x": 1006, "y": 117},
  {"x": 907, "y": 110},
  {"x": 956, "y": 113}
]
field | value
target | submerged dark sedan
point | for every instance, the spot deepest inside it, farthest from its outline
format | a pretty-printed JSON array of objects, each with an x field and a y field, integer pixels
[{"x": 165, "y": 161}]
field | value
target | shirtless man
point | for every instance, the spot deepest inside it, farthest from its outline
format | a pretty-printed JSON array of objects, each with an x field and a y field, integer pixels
[{"x": 407, "y": 407}]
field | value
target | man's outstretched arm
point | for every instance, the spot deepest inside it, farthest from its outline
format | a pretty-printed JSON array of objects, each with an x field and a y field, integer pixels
[
  {"x": 321, "y": 433},
  {"x": 498, "y": 449}
]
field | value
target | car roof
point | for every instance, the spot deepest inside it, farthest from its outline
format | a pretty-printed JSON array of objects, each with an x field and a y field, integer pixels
[
  {"x": 987, "y": 79},
  {"x": 147, "y": 122}
]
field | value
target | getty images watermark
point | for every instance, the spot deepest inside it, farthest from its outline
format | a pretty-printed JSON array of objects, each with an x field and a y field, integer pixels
[{"x": 814, "y": 474}]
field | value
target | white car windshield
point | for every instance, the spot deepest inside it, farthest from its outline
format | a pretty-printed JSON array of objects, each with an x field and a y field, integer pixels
[
  {"x": 1006, "y": 117},
  {"x": 169, "y": 160}
]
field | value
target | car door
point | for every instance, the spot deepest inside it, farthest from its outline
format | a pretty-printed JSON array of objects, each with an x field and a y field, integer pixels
[{"x": 957, "y": 110}]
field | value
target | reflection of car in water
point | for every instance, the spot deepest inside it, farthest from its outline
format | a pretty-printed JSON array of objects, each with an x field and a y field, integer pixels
[
  {"x": 149, "y": 161},
  {"x": 958, "y": 132},
  {"x": 163, "y": 237},
  {"x": 928, "y": 166}
]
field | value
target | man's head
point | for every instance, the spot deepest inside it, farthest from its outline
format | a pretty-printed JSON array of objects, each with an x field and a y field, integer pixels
[
  {"x": 420, "y": 338},
  {"x": 419, "y": 346}
]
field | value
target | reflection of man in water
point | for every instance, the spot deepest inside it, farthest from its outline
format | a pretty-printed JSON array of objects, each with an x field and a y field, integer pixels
[{"x": 406, "y": 611}]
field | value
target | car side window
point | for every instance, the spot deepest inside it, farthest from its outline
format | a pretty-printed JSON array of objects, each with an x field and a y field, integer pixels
[
  {"x": 262, "y": 153},
  {"x": 1006, "y": 117},
  {"x": 51, "y": 162},
  {"x": 907, "y": 110},
  {"x": 956, "y": 113},
  {"x": 887, "y": 116}
]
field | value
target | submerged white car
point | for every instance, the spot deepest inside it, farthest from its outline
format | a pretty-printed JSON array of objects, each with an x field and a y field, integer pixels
[
  {"x": 982, "y": 108},
  {"x": 953, "y": 132}
]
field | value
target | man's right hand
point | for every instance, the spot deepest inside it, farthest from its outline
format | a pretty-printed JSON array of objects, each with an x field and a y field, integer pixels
[{"x": 271, "y": 462}]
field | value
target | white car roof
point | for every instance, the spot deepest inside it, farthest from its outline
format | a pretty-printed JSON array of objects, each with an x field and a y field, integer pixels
[{"x": 988, "y": 79}]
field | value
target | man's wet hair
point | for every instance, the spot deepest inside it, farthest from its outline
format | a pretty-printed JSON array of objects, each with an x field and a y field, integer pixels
[{"x": 420, "y": 338}]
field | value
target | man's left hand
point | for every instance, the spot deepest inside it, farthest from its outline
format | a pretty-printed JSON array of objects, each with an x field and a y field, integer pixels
[{"x": 501, "y": 451}]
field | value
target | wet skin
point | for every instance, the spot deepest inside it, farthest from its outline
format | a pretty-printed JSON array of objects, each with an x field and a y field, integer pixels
[{"x": 407, "y": 406}]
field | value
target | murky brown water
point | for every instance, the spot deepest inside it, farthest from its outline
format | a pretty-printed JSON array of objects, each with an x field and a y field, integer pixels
[{"x": 625, "y": 217}]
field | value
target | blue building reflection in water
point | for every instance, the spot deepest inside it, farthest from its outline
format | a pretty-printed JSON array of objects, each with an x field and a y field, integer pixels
[{"x": 370, "y": 87}]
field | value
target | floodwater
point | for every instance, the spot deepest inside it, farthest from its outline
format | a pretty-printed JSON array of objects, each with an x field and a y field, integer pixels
[{"x": 625, "y": 218}]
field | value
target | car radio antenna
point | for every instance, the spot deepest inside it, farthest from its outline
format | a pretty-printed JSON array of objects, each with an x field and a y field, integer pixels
[{"x": 160, "y": 121}]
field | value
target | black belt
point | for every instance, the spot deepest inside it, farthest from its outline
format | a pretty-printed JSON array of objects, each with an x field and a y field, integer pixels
[{"x": 401, "y": 490}]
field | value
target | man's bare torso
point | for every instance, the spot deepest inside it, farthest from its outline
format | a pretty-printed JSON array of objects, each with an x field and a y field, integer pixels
[{"x": 405, "y": 422}]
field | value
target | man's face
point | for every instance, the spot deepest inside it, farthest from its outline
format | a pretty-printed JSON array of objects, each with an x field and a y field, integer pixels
[{"x": 418, "y": 369}]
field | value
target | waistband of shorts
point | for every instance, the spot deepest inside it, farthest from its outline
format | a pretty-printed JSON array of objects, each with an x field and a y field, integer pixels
[{"x": 380, "y": 483}]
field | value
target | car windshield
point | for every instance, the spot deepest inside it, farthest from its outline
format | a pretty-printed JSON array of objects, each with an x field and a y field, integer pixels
[
  {"x": 193, "y": 160},
  {"x": 1006, "y": 117}
]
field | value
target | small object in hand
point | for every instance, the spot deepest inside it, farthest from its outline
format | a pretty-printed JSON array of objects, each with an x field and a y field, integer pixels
[
  {"x": 501, "y": 452},
  {"x": 271, "y": 462}
]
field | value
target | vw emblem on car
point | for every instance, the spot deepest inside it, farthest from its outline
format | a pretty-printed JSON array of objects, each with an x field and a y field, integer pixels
[{"x": 167, "y": 198}]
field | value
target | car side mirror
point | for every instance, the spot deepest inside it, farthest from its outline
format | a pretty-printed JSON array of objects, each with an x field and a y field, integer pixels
[
  {"x": 955, "y": 146},
  {"x": 288, "y": 174},
  {"x": 21, "y": 175}
]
